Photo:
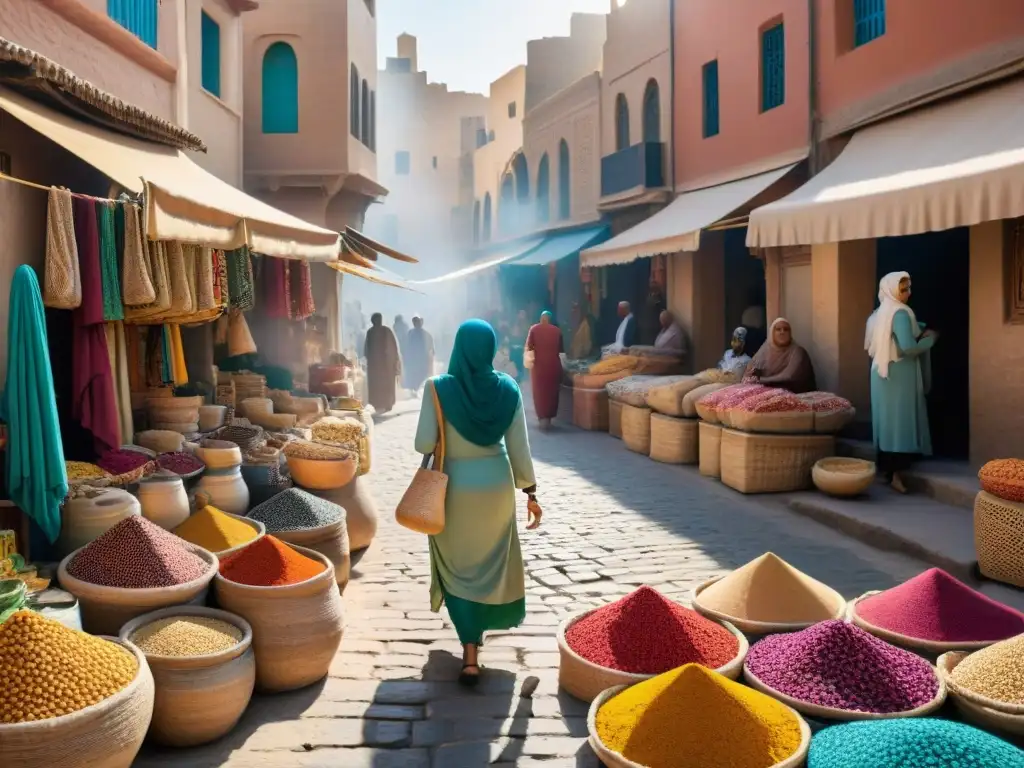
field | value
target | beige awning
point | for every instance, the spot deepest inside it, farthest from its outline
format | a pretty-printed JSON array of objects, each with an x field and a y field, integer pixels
[
  {"x": 183, "y": 201},
  {"x": 951, "y": 165},
  {"x": 677, "y": 226},
  {"x": 499, "y": 255},
  {"x": 368, "y": 274}
]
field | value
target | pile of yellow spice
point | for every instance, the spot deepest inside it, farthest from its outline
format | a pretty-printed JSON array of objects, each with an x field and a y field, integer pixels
[
  {"x": 48, "y": 670},
  {"x": 215, "y": 531}
]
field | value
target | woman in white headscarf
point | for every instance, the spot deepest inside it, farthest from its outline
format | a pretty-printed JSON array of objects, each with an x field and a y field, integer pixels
[{"x": 899, "y": 416}]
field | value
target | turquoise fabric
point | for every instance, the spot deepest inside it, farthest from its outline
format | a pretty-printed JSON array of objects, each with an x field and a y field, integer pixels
[
  {"x": 472, "y": 619},
  {"x": 899, "y": 414},
  {"x": 476, "y": 400},
  {"x": 37, "y": 479}
]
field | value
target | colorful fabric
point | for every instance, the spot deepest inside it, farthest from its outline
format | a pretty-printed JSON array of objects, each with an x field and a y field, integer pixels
[
  {"x": 276, "y": 289},
  {"x": 37, "y": 480},
  {"x": 113, "y": 308},
  {"x": 117, "y": 353},
  {"x": 87, "y": 235},
  {"x": 899, "y": 413},
  {"x": 479, "y": 402},
  {"x": 240, "y": 279},
  {"x": 179, "y": 371},
  {"x": 545, "y": 340},
  {"x": 302, "y": 304}
]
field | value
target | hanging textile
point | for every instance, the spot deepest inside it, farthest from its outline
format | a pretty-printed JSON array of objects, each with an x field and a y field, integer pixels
[
  {"x": 113, "y": 308},
  {"x": 205, "y": 292},
  {"x": 181, "y": 298},
  {"x": 136, "y": 366},
  {"x": 37, "y": 479},
  {"x": 154, "y": 356},
  {"x": 136, "y": 264},
  {"x": 179, "y": 371},
  {"x": 240, "y": 279},
  {"x": 117, "y": 352},
  {"x": 62, "y": 278},
  {"x": 166, "y": 369},
  {"x": 220, "y": 278},
  {"x": 302, "y": 291},
  {"x": 240, "y": 341},
  {"x": 276, "y": 289}
]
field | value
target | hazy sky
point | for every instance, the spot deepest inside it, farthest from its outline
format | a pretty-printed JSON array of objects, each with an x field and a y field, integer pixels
[{"x": 469, "y": 43}]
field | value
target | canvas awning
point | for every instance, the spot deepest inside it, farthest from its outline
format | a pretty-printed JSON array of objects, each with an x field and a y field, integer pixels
[
  {"x": 183, "y": 201},
  {"x": 372, "y": 275},
  {"x": 560, "y": 245},
  {"x": 499, "y": 255},
  {"x": 677, "y": 226},
  {"x": 951, "y": 165}
]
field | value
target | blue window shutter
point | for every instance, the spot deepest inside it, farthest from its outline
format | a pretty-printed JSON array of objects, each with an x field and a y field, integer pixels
[
  {"x": 210, "y": 43},
  {"x": 868, "y": 20},
  {"x": 710, "y": 73},
  {"x": 773, "y": 67},
  {"x": 140, "y": 17},
  {"x": 280, "y": 89}
]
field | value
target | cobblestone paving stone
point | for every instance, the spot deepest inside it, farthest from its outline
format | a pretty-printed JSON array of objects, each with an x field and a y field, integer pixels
[{"x": 613, "y": 520}]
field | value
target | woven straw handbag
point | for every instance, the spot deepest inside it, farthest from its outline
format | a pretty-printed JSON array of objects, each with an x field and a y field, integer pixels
[{"x": 422, "y": 507}]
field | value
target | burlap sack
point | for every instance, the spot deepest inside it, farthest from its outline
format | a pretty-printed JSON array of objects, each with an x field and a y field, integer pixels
[
  {"x": 668, "y": 399},
  {"x": 62, "y": 283},
  {"x": 136, "y": 269}
]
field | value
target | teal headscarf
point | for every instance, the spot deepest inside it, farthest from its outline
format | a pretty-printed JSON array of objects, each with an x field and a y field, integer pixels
[{"x": 477, "y": 400}]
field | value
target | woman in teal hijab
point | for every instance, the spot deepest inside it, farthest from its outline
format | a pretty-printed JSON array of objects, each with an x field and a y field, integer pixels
[{"x": 476, "y": 563}]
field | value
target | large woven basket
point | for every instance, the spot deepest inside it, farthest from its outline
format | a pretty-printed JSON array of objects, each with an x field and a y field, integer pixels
[
  {"x": 846, "y": 715},
  {"x": 755, "y": 463},
  {"x": 674, "y": 440},
  {"x": 105, "y": 735},
  {"x": 930, "y": 647},
  {"x": 842, "y": 476},
  {"x": 329, "y": 540},
  {"x": 585, "y": 680},
  {"x": 999, "y": 538},
  {"x": 613, "y": 759},
  {"x": 615, "y": 419},
  {"x": 636, "y": 428},
  {"x": 759, "y": 627},
  {"x": 198, "y": 698},
  {"x": 590, "y": 409},
  {"x": 976, "y": 709},
  {"x": 709, "y": 449}
]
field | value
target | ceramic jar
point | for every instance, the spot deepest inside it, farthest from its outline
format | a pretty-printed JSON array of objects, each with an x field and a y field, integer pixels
[
  {"x": 227, "y": 490},
  {"x": 93, "y": 514},
  {"x": 164, "y": 500},
  {"x": 211, "y": 417}
]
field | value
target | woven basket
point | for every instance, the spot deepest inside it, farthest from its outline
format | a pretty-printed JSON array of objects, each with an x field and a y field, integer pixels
[
  {"x": 978, "y": 710},
  {"x": 590, "y": 409},
  {"x": 831, "y": 422},
  {"x": 106, "y": 609},
  {"x": 753, "y": 463},
  {"x": 709, "y": 449},
  {"x": 198, "y": 698},
  {"x": 256, "y": 406},
  {"x": 636, "y": 428},
  {"x": 841, "y": 476},
  {"x": 182, "y": 427},
  {"x": 296, "y": 629},
  {"x": 674, "y": 440},
  {"x": 929, "y": 647},
  {"x": 760, "y": 627},
  {"x": 322, "y": 475},
  {"x": 845, "y": 715},
  {"x": 999, "y": 538},
  {"x": 105, "y": 735},
  {"x": 615, "y": 760},
  {"x": 585, "y": 680},
  {"x": 177, "y": 414},
  {"x": 211, "y": 417},
  {"x": 160, "y": 440},
  {"x": 360, "y": 512},
  {"x": 615, "y": 419},
  {"x": 331, "y": 541}
]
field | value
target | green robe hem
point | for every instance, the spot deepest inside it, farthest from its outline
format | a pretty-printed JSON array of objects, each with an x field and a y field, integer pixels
[{"x": 472, "y": 619}]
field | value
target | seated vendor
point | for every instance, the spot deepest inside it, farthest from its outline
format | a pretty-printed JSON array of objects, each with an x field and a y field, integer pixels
[
  {"x": 670, "y": 337},
  {"x": 625, "y": 336},
  {"x": 781, "y": 362},
  {"x": 735, "y": 359}
]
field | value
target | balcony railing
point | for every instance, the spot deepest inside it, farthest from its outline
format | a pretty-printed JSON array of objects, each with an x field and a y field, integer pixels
[{"x": 637, "y": 166}]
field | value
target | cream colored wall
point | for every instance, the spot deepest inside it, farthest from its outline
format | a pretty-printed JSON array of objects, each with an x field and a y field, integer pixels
[
  {"x": 489, "y": 161},
  {"x": 554, "y": 63},
  {"x": 797, "y": 292},
  {"x": 362, "y": 51},
  {"x": 573, "y": 114}
]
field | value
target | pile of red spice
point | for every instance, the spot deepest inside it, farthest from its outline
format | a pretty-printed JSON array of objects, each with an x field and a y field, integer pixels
[
  {"x": 934, "y": 606},
  {"x": 269, "y": 562},
  {"x": 645, "y": 633}
]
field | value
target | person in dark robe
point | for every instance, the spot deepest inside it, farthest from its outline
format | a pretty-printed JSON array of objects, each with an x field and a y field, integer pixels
[
  {"x": 781, "y": 362},
  {"x": 383, "y": 364},
  {"x": 419, "y": 355},
  {"x": 544, "y": 340}
]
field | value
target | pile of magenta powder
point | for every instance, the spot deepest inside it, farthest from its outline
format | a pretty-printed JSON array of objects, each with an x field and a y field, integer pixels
[
  {"x": 137, "y": 554},
  {"x": 122, "y": 461},
  {"x": 934, "y": 606},
  {"x": 838, "y": 665},
  {"x": 645, "y": 633}
]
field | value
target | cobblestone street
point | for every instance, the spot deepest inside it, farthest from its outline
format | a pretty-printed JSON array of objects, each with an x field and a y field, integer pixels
[{"x": 613, "y": 520}]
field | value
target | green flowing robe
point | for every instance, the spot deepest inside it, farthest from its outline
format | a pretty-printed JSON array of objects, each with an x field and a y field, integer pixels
[
  {"x": 899, "y": 414},
  {"x": 476, "y": 563}
]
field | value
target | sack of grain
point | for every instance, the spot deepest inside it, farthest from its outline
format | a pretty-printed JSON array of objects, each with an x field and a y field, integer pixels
[
  {"x": 775, "y": 411},
  {"x": 614, "y": 364},
  {"x": 712, "y": 408},
  {"x": 688, "y": 406},
  {"x": 633, "y": 390},
  {"x": 831, "y": 412},
  {"x": 660, "y": 365},
  {"x": 668, "y": 398},
  {"x": 716, "y": 376},
  {"x": 598, "y": 380}
]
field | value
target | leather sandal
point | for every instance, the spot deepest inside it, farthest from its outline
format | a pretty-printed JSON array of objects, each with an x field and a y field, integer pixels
[{"x": 469, "y": 680}]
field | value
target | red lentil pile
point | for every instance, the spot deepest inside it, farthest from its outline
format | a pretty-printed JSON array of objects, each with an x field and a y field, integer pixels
[
  {"x": 179, "y": 462},
  {"x": 645, "y": 633},
  {"x": 269, "y": 562},
  {"x": 936, "y": 607},
  {"x": 137, "y": 554},
  {"x": 122, "y": 461}
]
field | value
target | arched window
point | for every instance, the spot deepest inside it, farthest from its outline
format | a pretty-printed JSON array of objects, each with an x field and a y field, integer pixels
[
  {"x": 522, "y": 173},
  {"x": 365, "y": 101},
  {"x": 564, "y": 203},
  {"x": 621, "y": 122},
  {"x": 372, "y": 143},
  {"x": 652, "y": 112},
  {"x": 507, "y": 205},
  {"x": 280, "y": 89},
  {"x": 487, "y": 218},
  {"x": 353, "y": 101},
  {"x": 476, "y": 222},
  {"x": 544, "y": 190}
]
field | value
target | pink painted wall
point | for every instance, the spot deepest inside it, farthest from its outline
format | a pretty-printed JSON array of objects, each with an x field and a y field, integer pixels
[
  {"x": 731, "y": 32},
  {"x": 923, "y": 43}
]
